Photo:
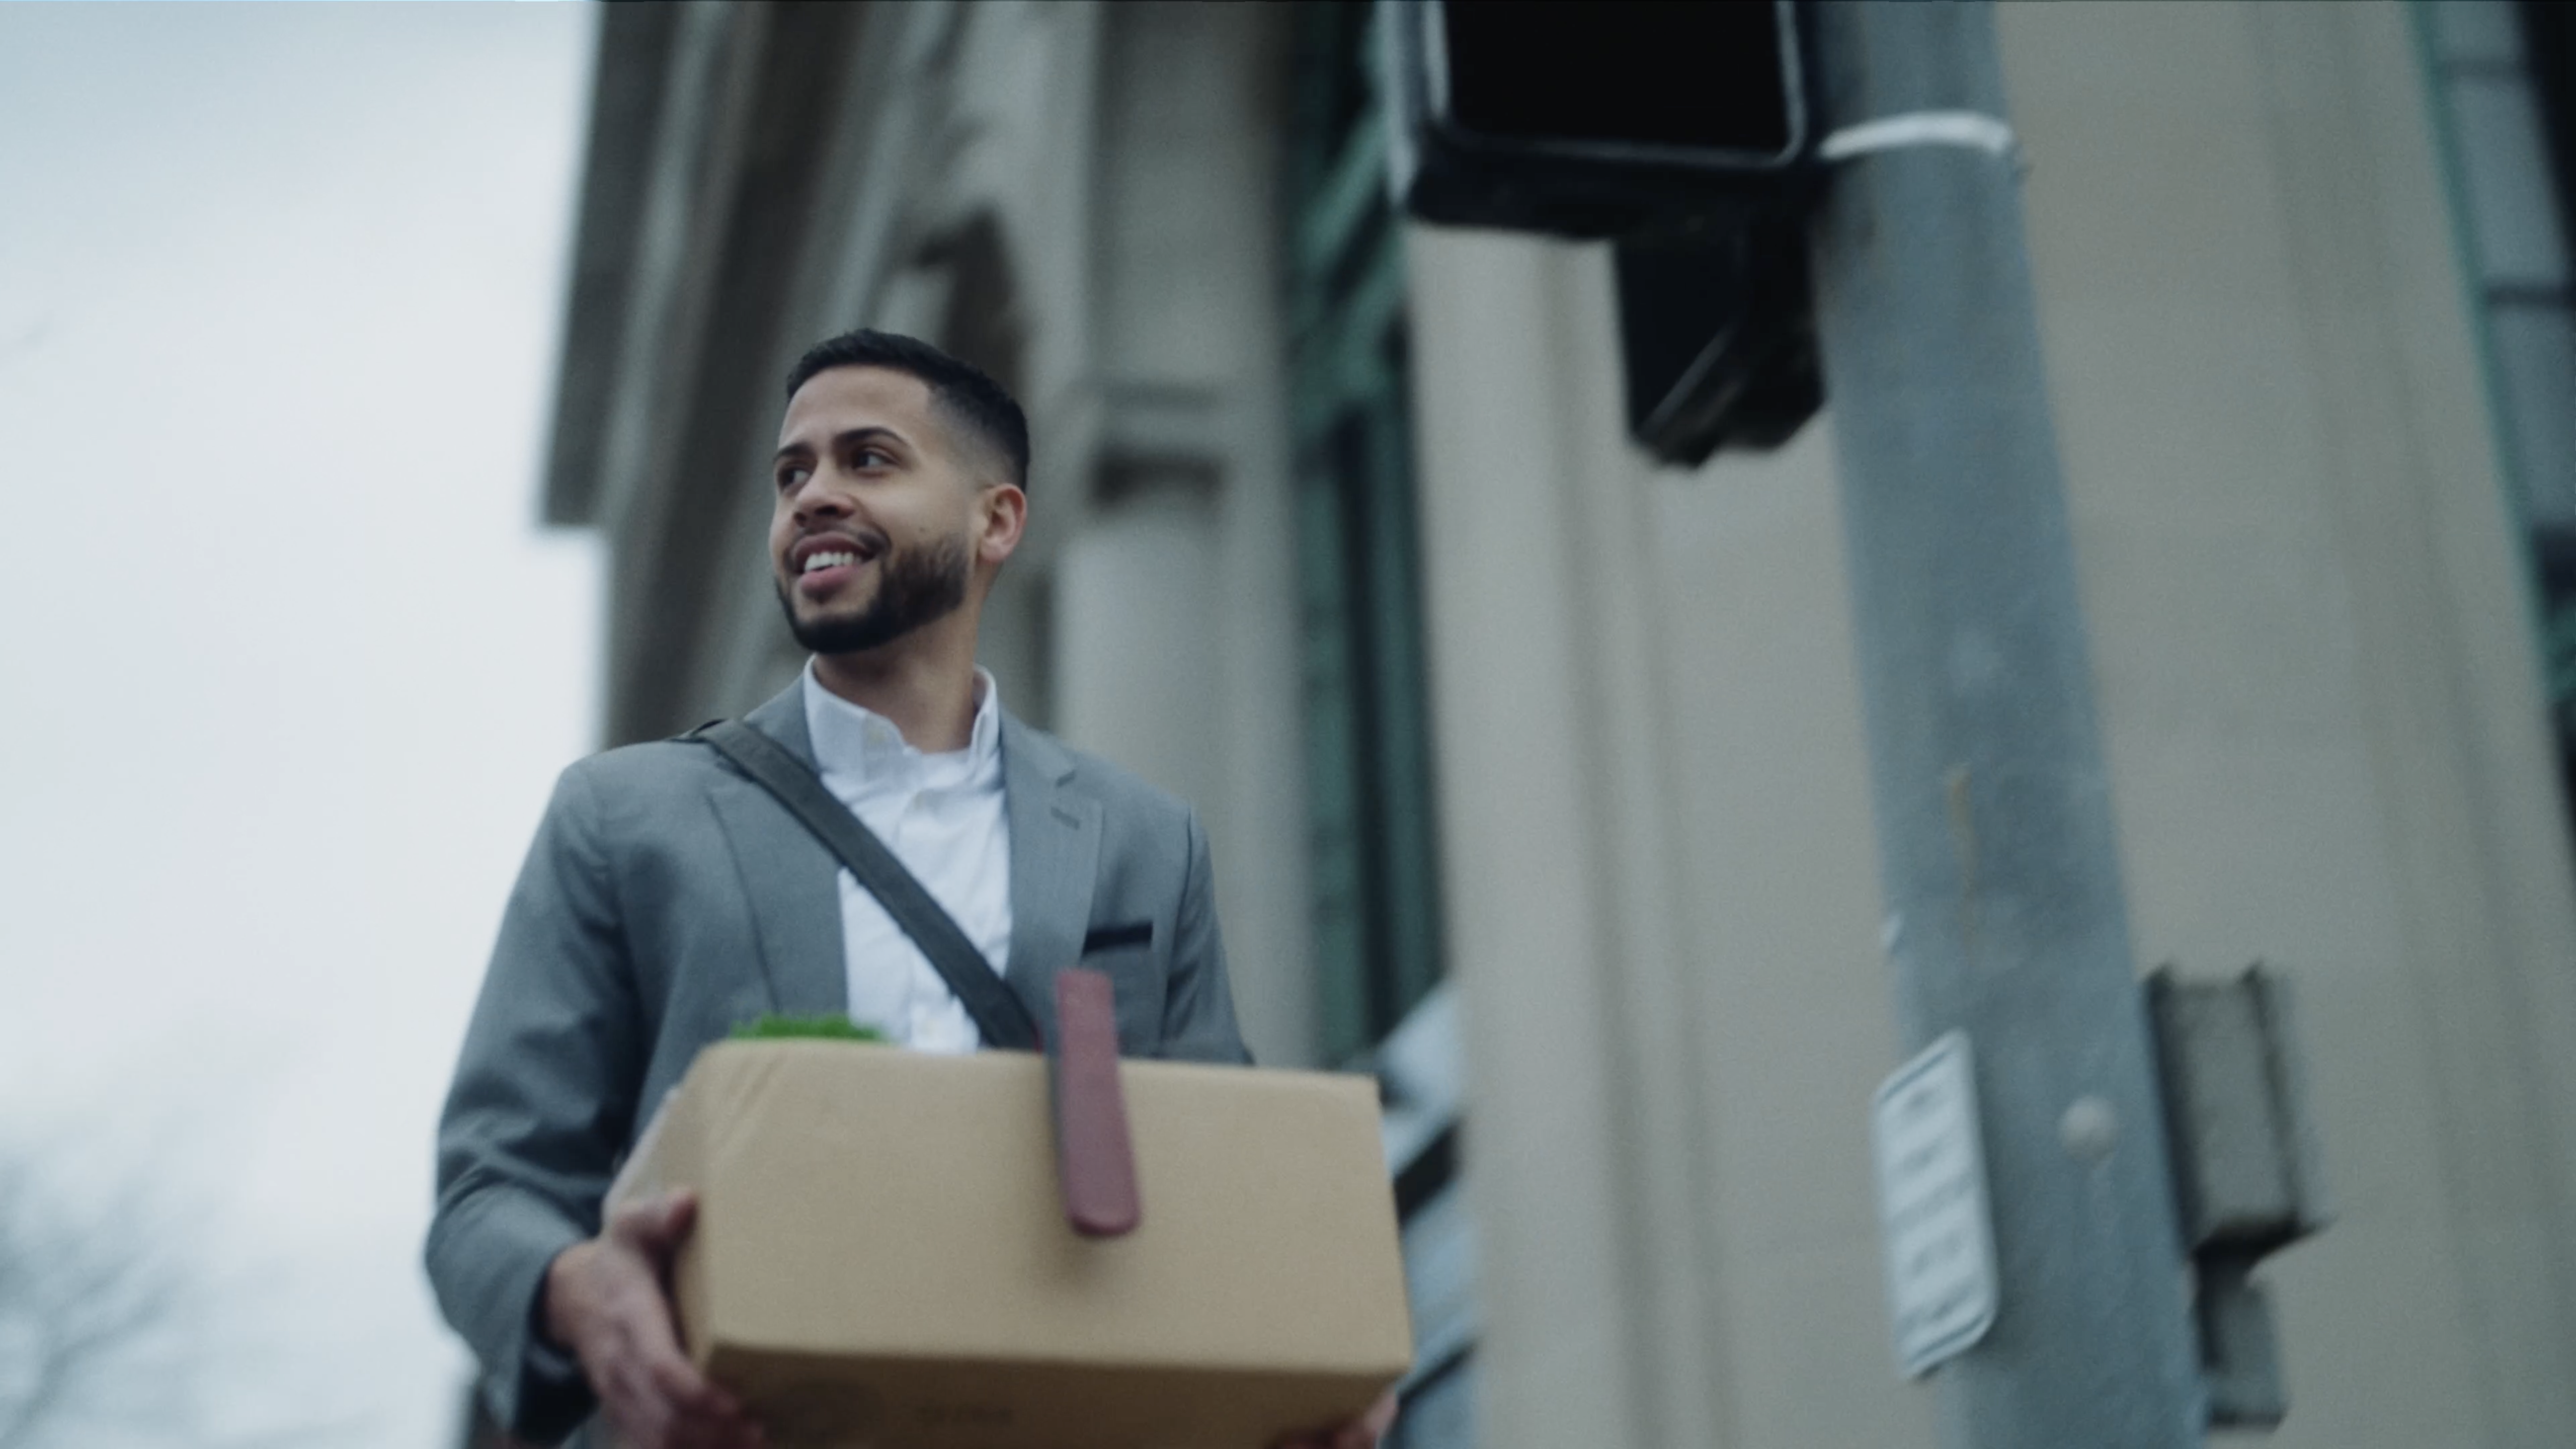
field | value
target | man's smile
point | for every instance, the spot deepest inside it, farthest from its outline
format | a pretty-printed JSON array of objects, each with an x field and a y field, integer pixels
[{"x": 822, "y": 563}]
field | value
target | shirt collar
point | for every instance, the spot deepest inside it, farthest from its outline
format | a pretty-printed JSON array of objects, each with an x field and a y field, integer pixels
[{"x": 852, "y": 740}]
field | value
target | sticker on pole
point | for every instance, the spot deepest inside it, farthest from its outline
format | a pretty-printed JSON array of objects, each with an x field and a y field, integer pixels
[{"x": 1933, "y": 1221}]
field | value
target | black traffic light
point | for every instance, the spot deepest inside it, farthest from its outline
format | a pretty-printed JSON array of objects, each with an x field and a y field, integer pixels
[
  {"x": 1593, "y": 119},
  {"x": 1718, "y": 338},
  {"x": 1681, "y": 131}
]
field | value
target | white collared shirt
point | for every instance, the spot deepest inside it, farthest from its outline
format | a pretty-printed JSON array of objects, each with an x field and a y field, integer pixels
[{"x": 942, "y": 816}]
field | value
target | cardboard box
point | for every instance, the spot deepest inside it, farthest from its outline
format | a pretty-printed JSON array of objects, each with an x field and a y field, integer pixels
[{"x": 882, "y": 1258}]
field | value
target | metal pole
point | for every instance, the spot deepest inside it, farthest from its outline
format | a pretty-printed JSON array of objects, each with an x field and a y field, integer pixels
[{"x": 2001, "y": 870}]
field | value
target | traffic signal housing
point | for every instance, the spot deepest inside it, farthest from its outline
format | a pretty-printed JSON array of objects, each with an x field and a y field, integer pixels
[
  {"x": 1598, "y": 119},
  {"x": 1681, "y": 131}
]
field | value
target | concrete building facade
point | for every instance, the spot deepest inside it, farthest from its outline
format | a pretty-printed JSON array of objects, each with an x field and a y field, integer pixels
[{"x": 1534, "y": 771}]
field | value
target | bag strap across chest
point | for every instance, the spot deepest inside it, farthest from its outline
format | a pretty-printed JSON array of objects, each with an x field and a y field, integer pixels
[{"x": 998, "y": 1012}]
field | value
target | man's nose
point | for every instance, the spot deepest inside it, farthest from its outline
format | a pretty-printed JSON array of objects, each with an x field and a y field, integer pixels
[{"x": 817, "y": 498}]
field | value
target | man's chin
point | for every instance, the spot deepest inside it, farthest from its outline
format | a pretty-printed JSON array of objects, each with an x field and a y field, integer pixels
[
  {"x": 843, "y": 631},
  {"x": 838, "y": 632},
  {"x": 805, "y": 615}
]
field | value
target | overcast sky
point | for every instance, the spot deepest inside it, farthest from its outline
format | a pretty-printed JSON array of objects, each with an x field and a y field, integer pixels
[{"x": 287, "y": 664}]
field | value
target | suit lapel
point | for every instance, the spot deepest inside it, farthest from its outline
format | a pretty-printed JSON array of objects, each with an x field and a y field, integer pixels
[
  {"x": 790, "y": 880},
  {"x": 1055, "y": 852}
]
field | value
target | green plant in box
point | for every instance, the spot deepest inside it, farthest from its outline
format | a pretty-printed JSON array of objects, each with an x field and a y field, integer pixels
[{"x": 777, "y": 1027}]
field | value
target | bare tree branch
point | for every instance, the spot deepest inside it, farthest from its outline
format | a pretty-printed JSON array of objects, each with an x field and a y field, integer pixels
[
  {"x": 90, "y": 1311},
  {"x": 110, "y": 1322}
]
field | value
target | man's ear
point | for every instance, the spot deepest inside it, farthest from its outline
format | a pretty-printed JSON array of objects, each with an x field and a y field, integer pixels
[{"x": 1001, "y": 516}]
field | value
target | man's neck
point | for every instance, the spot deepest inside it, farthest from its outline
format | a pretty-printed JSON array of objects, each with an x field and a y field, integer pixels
[{"x": 927, "y": 692}]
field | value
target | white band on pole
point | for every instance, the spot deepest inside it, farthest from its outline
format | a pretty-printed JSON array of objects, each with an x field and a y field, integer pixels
[{"x": 1972, "y": 130}]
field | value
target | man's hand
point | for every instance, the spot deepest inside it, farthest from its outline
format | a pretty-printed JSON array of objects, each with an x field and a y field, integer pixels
[
  {"x": 1360, "y": 1433},
  {"x": 608, "y": 1301}
]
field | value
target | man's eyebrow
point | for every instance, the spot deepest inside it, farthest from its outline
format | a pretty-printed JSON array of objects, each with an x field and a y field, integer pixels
[{"x": 841, "y": 440}]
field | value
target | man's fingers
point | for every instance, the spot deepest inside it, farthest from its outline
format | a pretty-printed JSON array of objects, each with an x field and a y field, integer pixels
[
  {"x": 657, "y": 1224},
  {"x": 640, "y": 1416},
  {"x": 1363, "y": 1432},
  {"x": 663, "y": 1402},
  {"x": 687, "y": 1391},
  {"x": 703, "y": 1416},
  {"x": 1358, "y": 1434},
  {"x": 734, "y": 1433},
  {"x": 653, "y": 1390}
]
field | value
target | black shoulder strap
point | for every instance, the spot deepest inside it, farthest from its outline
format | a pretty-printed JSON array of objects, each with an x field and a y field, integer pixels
[{"x": 999, "y": 1014}]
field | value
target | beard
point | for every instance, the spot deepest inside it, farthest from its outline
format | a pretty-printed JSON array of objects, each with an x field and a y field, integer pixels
[{"x": 915, "y": 586}]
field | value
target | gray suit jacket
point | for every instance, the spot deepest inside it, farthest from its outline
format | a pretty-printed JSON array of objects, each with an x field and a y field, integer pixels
[{"x": 666, "y": 900}]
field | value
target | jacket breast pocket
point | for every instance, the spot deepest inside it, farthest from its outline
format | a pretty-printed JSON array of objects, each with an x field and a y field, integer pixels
[{"x": 1125, "y": 951}]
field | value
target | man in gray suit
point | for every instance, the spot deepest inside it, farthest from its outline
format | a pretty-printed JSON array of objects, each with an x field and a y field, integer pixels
[{"x": 667, "y": 898}]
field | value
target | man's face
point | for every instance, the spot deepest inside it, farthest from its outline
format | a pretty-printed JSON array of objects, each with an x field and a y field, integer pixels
[{"x": 884, "y": 511}]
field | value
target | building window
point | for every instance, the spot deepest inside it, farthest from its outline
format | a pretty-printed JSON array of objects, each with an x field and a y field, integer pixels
[
  {"x": 2502, "y": 79},
  {"x": 1374, "y": 851},
  {"x": 1368, "y": 757}
]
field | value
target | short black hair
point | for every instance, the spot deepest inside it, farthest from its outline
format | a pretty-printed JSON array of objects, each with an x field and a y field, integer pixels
[{"x": 967, "y": 392}]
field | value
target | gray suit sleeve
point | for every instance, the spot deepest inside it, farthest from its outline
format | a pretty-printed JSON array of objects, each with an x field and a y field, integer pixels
[
  {"x": 542, "y": 1102},
  {"x": 1198, "y": 1007}
]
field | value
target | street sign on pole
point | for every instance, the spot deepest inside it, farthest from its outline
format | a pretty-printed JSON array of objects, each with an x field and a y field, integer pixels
[{"x": 1937, "y": 1236}]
